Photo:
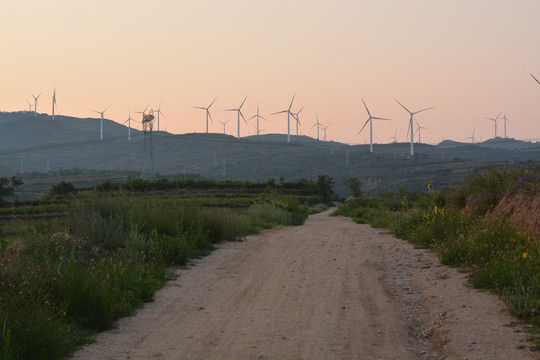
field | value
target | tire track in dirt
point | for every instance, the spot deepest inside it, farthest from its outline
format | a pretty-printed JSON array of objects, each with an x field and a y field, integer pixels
[{"x": 329, "y": 289}]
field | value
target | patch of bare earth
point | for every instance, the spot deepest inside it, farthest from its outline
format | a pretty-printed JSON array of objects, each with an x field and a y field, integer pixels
[
  {"x": 330, "y": 289},
  {"x": 522, "y": 210}
]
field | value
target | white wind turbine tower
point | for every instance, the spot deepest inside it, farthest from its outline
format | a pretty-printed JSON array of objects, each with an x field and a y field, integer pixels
[
  {"x": 53, "y": 102},
  {"x": 505, "y": 120},
  {"x": 239, "y": 113},
  {"x": 473, "y": 140},
  {"x": 393, "y": 137},
  {"x": 370, "y": 120},
  {"x": 129, "y": 119},
  {"x": 257, "y": 116},
  {"x": 297, "y": 117},
  {"x": 101, "y": 127},
  {"x": 495, "y": 121},
  {"x": 158, "y": 113},
  {"x": 207, "y": 109},
  {"x": 29, "y": 105},
  {"x": 35, "y": 104},
  {"x": 317, "y": 124},
  {"x": 289, "y": 113},
  {"x": 538, "y": 81},
  {"x": 418, "y": 130},
  {"x": 410, "y": 128},
  {"x": 224, "y": 123},
  {"x": 324, "y": 128}
]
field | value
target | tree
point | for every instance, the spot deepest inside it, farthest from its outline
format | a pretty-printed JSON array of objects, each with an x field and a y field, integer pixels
[
  {"x": 63, "y": 188},
  {"x": 326, "y": 187},
  {"x": 354, "y": 185},
  {"x": 7, "y": 188}
]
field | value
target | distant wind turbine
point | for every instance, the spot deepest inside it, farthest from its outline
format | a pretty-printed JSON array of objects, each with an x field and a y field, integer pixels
[
  {"x": 129, "y": 119},
  {"x": 289, "y": 114},
  {"x": 35, "y": 104},
  {"x": 29, "y": 105},
  {"x": 393, "y": 137},
  {"x": 324, "y": 128},
  {"x": 370, "y": 120},
  {"x": 53, "y": 102},
  {"x": 207, "y": 109},
  {"x": 418, "y": 130},
  {"x": 317, "y": 124},
  {"x": 505, "y": 120},
  {"x": 257, "y": 116},
  {"x": 101, "y": 127},
  {"x": 535, "y": 79},
  {"x": 473, "y": 140},
  {"x": 239, "y": 113},
  {"x": 297, "y": 117},
  {"x": 410, "y": 128},
  {"x": 158, "y": 113},
  {"x": 224, "y": 123},
  {"x": 495, "y": 122}
]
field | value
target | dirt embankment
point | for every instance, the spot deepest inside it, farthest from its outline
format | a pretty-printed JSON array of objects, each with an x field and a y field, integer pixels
[
  {"x": 329, "y": 289},
  {"x": 522, "y": 210}
]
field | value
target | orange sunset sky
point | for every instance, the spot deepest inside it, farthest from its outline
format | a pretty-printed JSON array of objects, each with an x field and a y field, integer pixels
[{"x": 467, "y": 58}]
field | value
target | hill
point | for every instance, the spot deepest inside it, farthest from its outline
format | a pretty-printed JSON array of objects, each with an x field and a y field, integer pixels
[{"x": 39, "y": 146}]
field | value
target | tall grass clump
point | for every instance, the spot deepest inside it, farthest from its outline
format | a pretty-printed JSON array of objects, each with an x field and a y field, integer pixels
[{"x": 61, "y": 281}]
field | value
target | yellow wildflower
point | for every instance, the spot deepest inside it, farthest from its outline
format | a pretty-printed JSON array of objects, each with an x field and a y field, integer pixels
[
  {"x": 529, "y": 240},
  {"x": 435, "y": 209},
  {"x": 403, "y": 203},
  {"x": 524, "y": 255},
  {"x": 429, "y": 186}
]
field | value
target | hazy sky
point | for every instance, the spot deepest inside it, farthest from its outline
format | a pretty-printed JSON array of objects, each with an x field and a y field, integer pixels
[{"x": 468, "y": 58}]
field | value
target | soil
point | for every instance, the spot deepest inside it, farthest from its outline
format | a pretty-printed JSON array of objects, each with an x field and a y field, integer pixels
[{"x": 329, "y": 289}]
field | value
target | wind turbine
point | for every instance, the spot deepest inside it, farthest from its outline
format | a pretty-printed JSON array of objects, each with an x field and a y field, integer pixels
[
  {"x": 29, "y": 105},
  {"x": 207, "y": 109},
  {"x": 297, "y": 117},
  {"x": 317, "y": 124},
  {"x": 324, "y": 128},
  {"x": 101, "y": 127},
  {"x": 393, "y": 137},
  {"x": 495, "y": 121},
  {"x": 535, "y": 79},
  {"x": 473, "y": 140},
  {"x": 129, "y": 119},
  {"x": 505, "y": 120},
  {"x": 257, "y": 116},
  {"x": 224, "y": 123},
  {"x": 53, "y": 102},
  {"x": 418, "y": 130},
  {"x": 370, "y": 120},
  {"x": 410, "y": 128},
  {"x": 289, "y": 113},
  {"x": 160, "y": 112},
  {"x": 35, "y": 103},
  {"x": 239, "y": 110}
]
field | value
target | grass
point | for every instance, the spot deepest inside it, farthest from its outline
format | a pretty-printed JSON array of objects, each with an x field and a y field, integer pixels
[
  {"x": 497, "y": 253},
  {"x": 63, "y": 279}
]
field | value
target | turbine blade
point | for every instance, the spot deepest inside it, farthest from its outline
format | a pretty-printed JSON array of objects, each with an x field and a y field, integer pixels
[
  {"x": 230, "y": 110},
  {"x": 362, "y": 126},
  {"x": 212, "y": 103},
  {"x": 243, "y": 103},
  {"x": 378, "y": 118},
  {"x": 280, "y": 112},
  {"x": 242, "y": 115},
  {"x": 198, "y": 107},
  {"x": 290, "y": 106},
  {"x": 535, "y": 79},
  {"x": 403, "y": 106},
  {"x": 369, "y": 114},
  {"x": 210, "y": 116},
  {"x": 419, "y": 111}
]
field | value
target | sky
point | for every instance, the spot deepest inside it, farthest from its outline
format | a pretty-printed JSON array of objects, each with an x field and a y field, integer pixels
[{"x": 470, "y": 59}]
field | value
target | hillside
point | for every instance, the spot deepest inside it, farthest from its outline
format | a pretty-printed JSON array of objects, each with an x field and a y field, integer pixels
[{"x": 40, "y": 145}]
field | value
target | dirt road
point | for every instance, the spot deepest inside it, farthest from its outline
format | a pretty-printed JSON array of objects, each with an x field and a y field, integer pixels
[{"x": 329, "y": 289}]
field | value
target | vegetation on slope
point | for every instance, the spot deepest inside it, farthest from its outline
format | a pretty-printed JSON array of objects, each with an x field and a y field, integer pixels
[
  {"x": 466, "y": 228},
  {"x": 106, "y": 252}
]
